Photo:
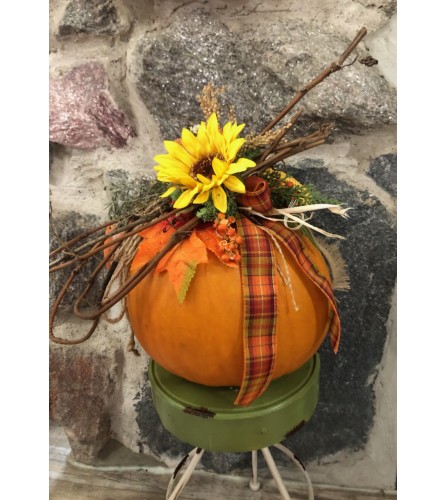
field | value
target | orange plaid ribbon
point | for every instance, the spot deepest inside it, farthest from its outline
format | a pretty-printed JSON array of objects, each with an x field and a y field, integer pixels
[
  {"x": 259, "y": 287},
  {"x": 295, "y": 245}
]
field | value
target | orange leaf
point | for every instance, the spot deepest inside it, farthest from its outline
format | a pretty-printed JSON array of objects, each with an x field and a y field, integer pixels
[
  {"x": 211, "y": 241},
  {"x": 154, "y": 241},
  {"x": 181, "y": 263}
]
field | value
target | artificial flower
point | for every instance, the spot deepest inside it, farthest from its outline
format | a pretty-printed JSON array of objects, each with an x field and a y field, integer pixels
[{"x": 204, "y": 164}]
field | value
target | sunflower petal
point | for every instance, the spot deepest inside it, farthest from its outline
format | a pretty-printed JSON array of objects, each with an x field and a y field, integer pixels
[
  {"x": 212, "y": 125},
  {"x": 219, "y": 198},
  {"x": 236, "y": 130},
  {"x": 175, "y": 149},
  {"x": 202, "y": 197},
  {"x": 184, "y": 180},
  {"x": 227, "y": 132},
  {"x": 219, "y": 167},
  {"x": 169, "y": 162},
  {"x": 234, "y": 148},
  {"x": 169, "y": 191},
  {"x": 191, "y": 143},
  {"x": 240, "y": 166},
  {"x": 203, "y": 179},
  {"x": 185, "y": 198},
  {"x": 234, "y": 184}
]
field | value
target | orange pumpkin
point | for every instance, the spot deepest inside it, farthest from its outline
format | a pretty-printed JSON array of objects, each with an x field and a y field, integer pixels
[{"x": 201, "y": 339}]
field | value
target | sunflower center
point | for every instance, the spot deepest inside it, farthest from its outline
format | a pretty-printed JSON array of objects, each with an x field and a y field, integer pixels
[{"x": 204, "y": 167}]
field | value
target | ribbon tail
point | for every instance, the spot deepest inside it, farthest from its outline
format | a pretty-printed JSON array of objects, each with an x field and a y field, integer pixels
[
  {"x": 259, "y": 288},
  {"x": 295, "y": 245}
]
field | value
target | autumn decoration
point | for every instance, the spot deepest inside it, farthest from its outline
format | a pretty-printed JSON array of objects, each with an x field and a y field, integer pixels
[{"x": 217, "y": 262}]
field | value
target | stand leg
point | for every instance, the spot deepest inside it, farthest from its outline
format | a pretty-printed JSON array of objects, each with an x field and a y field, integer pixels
[
  {"x": 254, "y": 484},
  {"x": 275, "y": 474},
  {"x": 196, "y": 455},
  {"x": 300, "y": 465}
]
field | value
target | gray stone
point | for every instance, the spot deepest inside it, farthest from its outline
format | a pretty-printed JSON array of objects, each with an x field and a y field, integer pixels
[
  {"x": 346, "y": 408},
  {"x": 63, "y": 228},
  {"x": 262, "y": 68},
  {"x": 98, "y": 17},
  {"x": 82, "y": 113},
  {"x": 356, "y": 98},
  {"x": 384, "y": 171},
  {"x": 81, "y": 388}
]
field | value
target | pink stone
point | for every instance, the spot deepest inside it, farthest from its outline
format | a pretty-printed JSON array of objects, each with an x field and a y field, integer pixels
[
  {"x": 82, "y": 113},
  {"x": 81, "y": 390}
]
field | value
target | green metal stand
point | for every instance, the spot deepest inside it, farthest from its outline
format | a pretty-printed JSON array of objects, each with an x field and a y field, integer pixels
[{"x": 206, "y": 418}]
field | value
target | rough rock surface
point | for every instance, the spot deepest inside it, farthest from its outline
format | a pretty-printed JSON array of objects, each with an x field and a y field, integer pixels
[
  {"x": 259, "y": 71},
  {"x": 384, "y": 171},
  {"x": 63, "y": 228},
  {"x": 81, "y": 387},
  {"x": 82, "y": 113},
  {"x": 343, "y": 418},
  {"x": 89, "y": 16}
]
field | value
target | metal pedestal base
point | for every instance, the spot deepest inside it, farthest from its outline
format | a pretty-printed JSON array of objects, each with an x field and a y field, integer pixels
[{"x": 175, "y": 486}]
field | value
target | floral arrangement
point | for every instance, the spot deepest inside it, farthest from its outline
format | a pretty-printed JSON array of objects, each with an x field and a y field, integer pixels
[{"x": 220, "y": 194}]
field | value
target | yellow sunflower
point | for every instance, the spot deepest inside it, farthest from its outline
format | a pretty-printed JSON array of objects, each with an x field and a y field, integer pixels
[{"x": 202, "y": 164}]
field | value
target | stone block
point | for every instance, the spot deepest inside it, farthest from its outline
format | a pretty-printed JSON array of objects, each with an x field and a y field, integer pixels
[
  {"x": 262, "y": 68},
  {"x": 383, "y": 170},
  {"x": 82, "y": 383},
  {"x": 82, "y": 112},
  {"x": 93, "y": 17},
  {"x": 64, "y": 227}
]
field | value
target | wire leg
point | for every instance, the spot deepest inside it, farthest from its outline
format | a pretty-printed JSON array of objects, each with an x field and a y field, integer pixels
[
  {"x": 300, "y": 466},
  {"x": 254, "y": 484},
  {"x": 195, "y": 456},
  {"x": 275, "y": 474}
]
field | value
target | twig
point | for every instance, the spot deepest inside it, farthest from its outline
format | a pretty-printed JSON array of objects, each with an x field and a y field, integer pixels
[
  {"x": 120, "y": 231},
  {"x": 59, "y": 298},
  {"x": 137, "y": 278},
  {"x": 67, "y": 244},
  {"x": 280, "y": 137},
  {"x": 284, "y": 153},
  {"x": 332, "y": 68}
]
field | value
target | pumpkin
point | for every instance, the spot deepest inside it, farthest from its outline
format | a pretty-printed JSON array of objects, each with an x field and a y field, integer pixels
[{"x": 201, "y": 339}]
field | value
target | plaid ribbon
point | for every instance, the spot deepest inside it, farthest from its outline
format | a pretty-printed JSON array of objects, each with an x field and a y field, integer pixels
[
  {"x": 259, "y": 287},
  {"x": 295, "y": 245},
  {"x": 257, "y": 195}
]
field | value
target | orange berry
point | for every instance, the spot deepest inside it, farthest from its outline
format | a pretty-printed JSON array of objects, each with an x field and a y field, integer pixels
[
  {"x": 221, "y": 228},
  {"x": 231, "y": 219},
  {"x": 237, "y": 258},
  {"x": 221, "y": 215},
  {"x": 238, "y": 240},
  {"x": 225, "y": 258},
  {"x": 231, "y": 231}
]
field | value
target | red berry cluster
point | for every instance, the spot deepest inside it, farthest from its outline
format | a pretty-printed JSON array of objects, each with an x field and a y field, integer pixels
[{"x": 229, "y": 239}]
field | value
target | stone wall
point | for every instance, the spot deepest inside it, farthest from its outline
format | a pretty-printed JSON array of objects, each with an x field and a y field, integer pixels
[{"x": 124, "y": 75}]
